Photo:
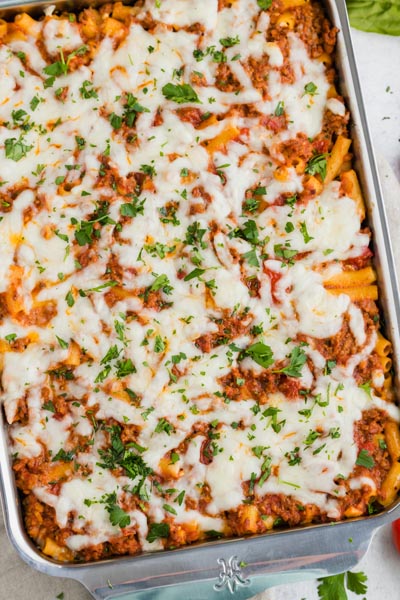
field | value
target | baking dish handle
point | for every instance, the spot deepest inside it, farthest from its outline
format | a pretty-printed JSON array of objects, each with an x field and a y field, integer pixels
[
  {"x": 201, "y": 590},
  {"x": 239, "y": 570}
]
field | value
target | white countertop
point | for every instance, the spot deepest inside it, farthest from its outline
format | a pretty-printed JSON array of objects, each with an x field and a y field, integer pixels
[{"x": 378, "y": 59}]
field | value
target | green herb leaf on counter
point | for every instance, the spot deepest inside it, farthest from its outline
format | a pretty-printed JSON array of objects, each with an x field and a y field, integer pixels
[
  {"x": 335, "y": 587},
  {"x": 379, "y": 16},
  {"x": 356, "y": 582}
]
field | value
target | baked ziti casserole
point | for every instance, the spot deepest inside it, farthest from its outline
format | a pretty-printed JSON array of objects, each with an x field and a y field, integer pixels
[{"x": 189, "y": 334}]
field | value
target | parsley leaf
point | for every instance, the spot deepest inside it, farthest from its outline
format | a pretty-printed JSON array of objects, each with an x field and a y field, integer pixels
[
  {"x": 180, "y": 93},
  {"x": 86, "y": 91},
  {"x": 156, "y": 531},
  {"x": 124, "y": 368},
  {"x": 195, "y": 273},
  {"x": 317, "y": 165},
  {"x": 228, "y": 42},
  {"x": 117, "y": 455},
  {"x": 131, "y": 209},
  {"x": 249, "y": 232},
  {"x": 251, "y": 257},
  {"x": 335, "y": 587},
  {"x": 356, "y": 582},
  {"x": 364, "y": 459},
  {"x": 297, "y": 360},
  {"x": 310, "y": 88},
  {"x": 260, "y": 353},
  {"x": 303, "y": 230},
  {"x": 34, "y": 103},
  {"x": 161, "y": 282},
  {"x": 264, "y": 4},
  {"x": 63, "y": 344},
  {"x": 194, "y": 235},
  {"x": 117, "y": 515},
  {"x": 63, "y": 456},
  {"x": 164, "y": 425},
  {"x": 16, "y": 149},
  {"x": 280, "y": 109},
  {"x": 332, "y": 588},
  {"x": 87, "y": 231},
  {"x": 132, "y": 107}
]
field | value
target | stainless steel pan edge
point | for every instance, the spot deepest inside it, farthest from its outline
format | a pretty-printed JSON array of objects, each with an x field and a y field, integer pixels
[{"x": 242, "y": 567}]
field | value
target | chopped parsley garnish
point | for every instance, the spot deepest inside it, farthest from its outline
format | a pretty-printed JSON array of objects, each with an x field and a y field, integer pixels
[
  {"x": 293, "y": 457},
  {"x": 118, "y": 517},
  {"x": 159, "y": 344},
  {"x": 272, "y": 412},
  {"x": 134, "y": 208},
  {"x": 157, "y": 531},
  {"x": 364, "y": 459},
  {"x": 297, "y": 359},
  {"x": 317, "y": 165},
  {"x": 118, "y": 455},
  {"x": 196, "y": 273},
  {"x": 148, "y": 170},
  {"x": 115, "y": 121},
  {"x": 60, "y": 67},
  {"x": 285, "y": 252},
  {"x": 252, "y": 258},
  {"x": 248, "y": 232},
  {"x": 180, "y": 93},
  {"x": 88, "y": 231},
  {"x": 195, "y": 234},
  {"x": 303, "y": 230},
  {"x": 260, "y": 353},
  {"x": 161, "y": 282},
  {"x": 131, "y": 109},
  {"x": 80, "y": 142},
  {"x": 63, "y": 344},
  {"x": 280, "y": 109},
  {"x": 228, "y": 42},
  {"x": 366, "y": 387},
  {"x": 170, "y": 509},
  {"x": 63, "y": 456},
  {"x": 87, "y": 90},
  {"x": 310, "y": 88},
  {"x": 164, "y": 426},
  {"x": 34, "y": 103},
  {"x": 16, "y": 149},
  {"x": 124, "y": 368},
  {"x": 264, "y": 4},
  {"x": 49, "y": 405}
]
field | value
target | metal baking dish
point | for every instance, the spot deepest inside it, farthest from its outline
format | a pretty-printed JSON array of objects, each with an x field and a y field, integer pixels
[{"x": 245, "y": 566}]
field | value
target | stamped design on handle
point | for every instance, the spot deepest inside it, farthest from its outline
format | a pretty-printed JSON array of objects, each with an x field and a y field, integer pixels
[{"x": 230, "y": 575}]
